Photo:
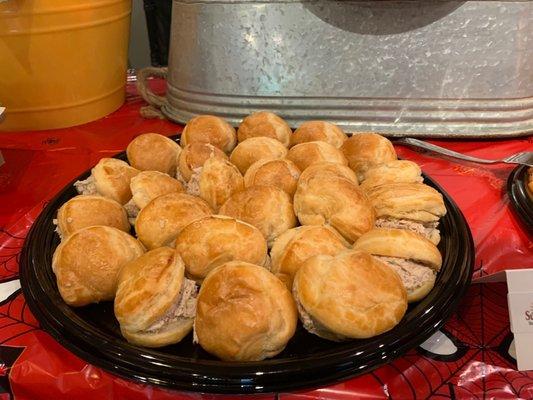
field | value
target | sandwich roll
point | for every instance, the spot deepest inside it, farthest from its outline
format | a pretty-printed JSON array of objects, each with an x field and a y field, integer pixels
[
  {"x": 348, "y": 296},
  {"x": 160, "y": 221},
  {"x": 148, "y": 185},
  {"x": 268, "y": 208},
  {"x": 209, "y": 129},
  {"x": 244, "y": 313},
  {"x": 329, "y": 170},
  {"x": 153, "y": 152},
  {"x": 412, "y": 206},
  {"x": 414, "y": 258},
  {"x": 281, "y": 173},
  {"x": 215, "y": 182},
  {"x": 211, "y": 241},
  {"x": 335, "y": 201},
  {"x": 155, "y": 304},
  {"x": 365, "y": 150},
  {"x": 312, "y": 131},
  {"x": 87, "y": 263},
  {"x": 292, "y": 248},
  {"x": 266, "y": 124},
  {"x": 398, "y": 171},
  {"x": 193, "y": 156},
  {"x": 309, "y": 153},
  {"x": 254, "y": 149},
  {"x": 109, "y": 178},
  {"x": 83, "y": 211}
]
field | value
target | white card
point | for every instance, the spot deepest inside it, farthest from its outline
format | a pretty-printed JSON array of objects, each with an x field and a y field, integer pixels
[{"x": 520, "y": 303}]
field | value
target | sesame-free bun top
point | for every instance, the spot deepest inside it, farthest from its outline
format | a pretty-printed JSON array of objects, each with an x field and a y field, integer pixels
[
  {"x": 211, "y": 241},
  {"x": 350, "y": 295},
  {"x": 83, "y": 211},
  {"x": 312, "y": 131},
  {"x": 244, "y": 313},
  {"x": 264, "y": 123},
  {"x": 254, "y": 149},
  {"x": 87, "y": 263},
  {"x": 153, "y": 152},
  {"x": 209, "y": 129},
  {"x": 112, "y": 179},
  {"x": 148, "y": 185},
  {"x": 328, "y": 169},
  {"x": 281, "y": 173},
  {"x": 268, "y": 208},
  {"x": 148, "y": 288},
  {"x": 397, "y": 171},
  {"x": 400, "y": 243},
  {"x": 194, "y": 156},
  {"x": 413, "y": 201},
  {"x": 218, "y": 180},
  {"x": 293, "y": 247},
  {"x": 335, "y": 201},
  {"x": 365, "y": 150},
  {"x": 159, "y": 223},
  {"x": 309, "y": 153}
]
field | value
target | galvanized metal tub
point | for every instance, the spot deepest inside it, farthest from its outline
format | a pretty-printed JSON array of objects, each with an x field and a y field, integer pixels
[{"x": 414, "y": 68}]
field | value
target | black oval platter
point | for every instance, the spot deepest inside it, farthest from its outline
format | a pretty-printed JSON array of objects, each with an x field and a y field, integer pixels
[
  {"x": 520, "y": 195},
  {"x": 93, "y": 334}
]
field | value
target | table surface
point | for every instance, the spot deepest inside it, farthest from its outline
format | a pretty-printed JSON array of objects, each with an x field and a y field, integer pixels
[{"x": 477, "y": 362}]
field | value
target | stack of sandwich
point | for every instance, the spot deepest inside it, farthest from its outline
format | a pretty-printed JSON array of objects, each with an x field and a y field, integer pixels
[{"x": 237, "y": 234}]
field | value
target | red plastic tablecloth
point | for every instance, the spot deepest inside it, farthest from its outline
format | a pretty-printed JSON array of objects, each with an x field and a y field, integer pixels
[{"x": 33, "y": 365}]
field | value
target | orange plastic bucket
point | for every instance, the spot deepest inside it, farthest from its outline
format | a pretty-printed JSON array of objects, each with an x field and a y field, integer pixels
[{"x": 62, "y": 62}]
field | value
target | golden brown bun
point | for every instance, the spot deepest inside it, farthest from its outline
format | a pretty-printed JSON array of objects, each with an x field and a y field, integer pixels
[
  {"x": 148, "y": 288},
  {"x": 365, "y": 150},
  {"x": 211, "y": 241},
  {"x": 306, "y": 154},
  {"x": 209, "y": 129},
  {"x": 151, "y": 184},
  {"x": 218, "y": 180},
  {"x": 268, "y": 208},
  {"x": 244, "y": 313},
  {"x": 194, "y": 156},
  {"x": 83, "y": 211},
  {"x": 350, "y": 295},
  {"x": 112, "y": 179},
  {"x": 159, "y": 223},
  {"x": 153, "y": 152},
  {"x": 398, "y": 171},
  {"x": 414, "y": 201},
  {"x": 266, "y": 124},
  {"x": 88, "y": 262},
  {"x": 400, "y": 243},
  {"x": 254, "y": 149},
  {"x": 312, "y": 131},
  {"x": 328, "y": 169},
  {"x": 281, "y": 173},
  {"x": 296, "y": 245},
  {"x": 335, "y": 201}
]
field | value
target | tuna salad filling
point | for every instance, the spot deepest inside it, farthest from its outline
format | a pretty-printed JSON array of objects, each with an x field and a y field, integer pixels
[
  {"x": 412, "y": 274},
  {"x": 132, "y": 210},
  {"x": 193, "y": 186},
  {"x": 428, "y": 229},
  {"x": 180, "y": 178},
  {"x": 58, "y": 229},
  {"x": 86, "y": 187},
  {"x": 185, "y": 307}
]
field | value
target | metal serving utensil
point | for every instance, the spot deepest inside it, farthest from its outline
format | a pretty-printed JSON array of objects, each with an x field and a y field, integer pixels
[{"x": 523, "y": 158}]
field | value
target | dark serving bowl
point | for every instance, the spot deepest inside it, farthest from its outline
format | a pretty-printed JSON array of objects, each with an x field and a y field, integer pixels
[
  {"x": 520, "y": 195},
  {"x": 93, "y": 334}
]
